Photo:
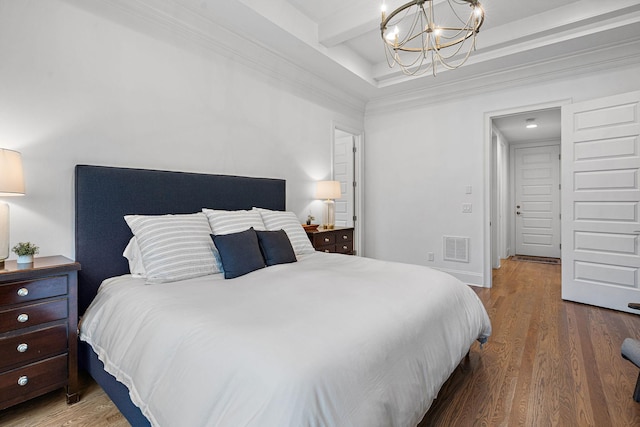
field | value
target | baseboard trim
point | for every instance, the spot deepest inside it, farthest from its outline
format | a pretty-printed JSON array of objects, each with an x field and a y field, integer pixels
[{"x": 468, "y": 277}]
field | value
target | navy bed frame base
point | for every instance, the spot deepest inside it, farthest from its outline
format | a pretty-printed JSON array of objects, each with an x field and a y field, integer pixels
[{"x": 103, "y": 195}]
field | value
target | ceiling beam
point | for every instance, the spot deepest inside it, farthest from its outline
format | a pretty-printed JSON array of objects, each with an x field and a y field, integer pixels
[{"x": 360, "y": 17}]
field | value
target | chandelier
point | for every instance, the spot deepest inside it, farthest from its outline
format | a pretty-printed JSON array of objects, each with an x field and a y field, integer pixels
[{"x": 418, "y": 41}]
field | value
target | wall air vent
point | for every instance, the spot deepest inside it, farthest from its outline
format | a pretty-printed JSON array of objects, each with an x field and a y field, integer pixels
[{"x": 456, "y": 248}]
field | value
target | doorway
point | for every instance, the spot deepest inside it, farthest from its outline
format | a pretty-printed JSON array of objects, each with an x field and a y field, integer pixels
[
  {"x": 347, "y": 168},
  {"x": 538, "y": 224}
]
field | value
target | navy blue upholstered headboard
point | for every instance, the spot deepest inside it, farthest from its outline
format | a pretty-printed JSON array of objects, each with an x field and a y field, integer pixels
[{"x": 105, "y": 194}]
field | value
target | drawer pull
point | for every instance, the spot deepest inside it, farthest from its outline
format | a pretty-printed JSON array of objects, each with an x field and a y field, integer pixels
[
  {"x": 327, "y": 240},
  {"x": 345, "y": 237},
  {"x": 23, "y": 292},
  {"x": 22, "y": 348},
  {"x": 327, "y": 250},
  {"x": 23, "y": 380},
  {"x": 345, "y": 247},
  {"x": 23, "y": 318}
]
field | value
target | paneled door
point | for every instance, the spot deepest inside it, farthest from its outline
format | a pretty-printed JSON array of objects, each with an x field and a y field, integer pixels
[
  {"x": 537, "y": 181},
  {"x": 343, "y": 171},
  {"x": 600, "y": 201}
]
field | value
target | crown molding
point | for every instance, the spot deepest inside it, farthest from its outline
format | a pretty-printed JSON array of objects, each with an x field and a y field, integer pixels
[
  {"x": 175, "y": 23},
  {"x": 189, "y": 25},
  {"x": 581, "y": 63}
]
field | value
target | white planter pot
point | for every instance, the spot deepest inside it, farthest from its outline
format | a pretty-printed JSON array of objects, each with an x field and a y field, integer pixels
[{"x": 25, "y": 259}]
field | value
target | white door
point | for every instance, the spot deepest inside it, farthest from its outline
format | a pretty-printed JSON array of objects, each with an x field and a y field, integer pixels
[
  {"x": 343, "y": 171},
  {"x": 537, "y": 181},
  {"x": 600, "y": 201}
]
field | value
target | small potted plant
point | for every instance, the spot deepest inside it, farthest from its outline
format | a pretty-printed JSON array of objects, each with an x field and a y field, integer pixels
[
  {"x": 310, "y": 218},
  {"x": 25, "y": 252},
  {"x": 308, "y": 226}
]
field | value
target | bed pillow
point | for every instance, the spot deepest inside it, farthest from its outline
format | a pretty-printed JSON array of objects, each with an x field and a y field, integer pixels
[
  {"x": 276, "y": 247},
  {"x": 174, "y": 247},
  {"x": 239, "y": 252},
  {"x": 227, "y": 222},
  {"x": 134, "y": 257},
  {"x": 287, "y": 221}
]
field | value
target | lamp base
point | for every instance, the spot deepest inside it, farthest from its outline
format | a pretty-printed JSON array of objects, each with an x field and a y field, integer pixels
[{"x": 329, "y": 214}]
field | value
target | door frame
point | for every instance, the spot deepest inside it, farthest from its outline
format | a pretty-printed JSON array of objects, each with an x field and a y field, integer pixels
[
  {"x": 489, "y": 198},
  {"x": 358, "y": 174}
]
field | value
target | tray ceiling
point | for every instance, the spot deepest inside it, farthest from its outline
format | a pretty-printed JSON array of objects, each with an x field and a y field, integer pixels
[{"x": 338, "y": 41}]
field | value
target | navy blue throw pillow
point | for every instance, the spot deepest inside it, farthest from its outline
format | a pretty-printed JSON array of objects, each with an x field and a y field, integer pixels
[
  {"x": 276, "y": 247},
  {"x": 239, "y": 252}
]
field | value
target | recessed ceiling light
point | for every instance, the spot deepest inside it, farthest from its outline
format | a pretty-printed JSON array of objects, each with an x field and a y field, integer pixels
[{"x": 531, "y": 124}]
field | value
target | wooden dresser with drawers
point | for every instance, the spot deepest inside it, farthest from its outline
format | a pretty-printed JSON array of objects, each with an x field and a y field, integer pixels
[
  {"x": 338, "y": 239},
  {"x": 38, "y": 329}
]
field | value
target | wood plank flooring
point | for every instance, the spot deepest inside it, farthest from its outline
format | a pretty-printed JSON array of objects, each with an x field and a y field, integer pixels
[
  {"x": 94, "y": 409},
  {"x": 548, "y": 363}
]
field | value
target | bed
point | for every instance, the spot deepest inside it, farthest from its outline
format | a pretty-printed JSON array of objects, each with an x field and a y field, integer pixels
[{"x": 327, "y": 340}]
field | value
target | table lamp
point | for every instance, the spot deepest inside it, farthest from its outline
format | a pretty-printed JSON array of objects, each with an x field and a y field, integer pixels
[
  {"x": 328, "y": 191},
  {"x": 11, "y": 184}
]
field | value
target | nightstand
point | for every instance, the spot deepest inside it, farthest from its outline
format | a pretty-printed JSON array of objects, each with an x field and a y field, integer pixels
[
  {"x": 38, "y": 329},
  {"x": 338, "y": 239}
]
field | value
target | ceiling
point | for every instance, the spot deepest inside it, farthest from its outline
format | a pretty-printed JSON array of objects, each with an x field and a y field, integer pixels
[
  {"x": 339, "y": 40},
  {"x": 513, "y": 127},
  {"x": 334, "y": 46}
]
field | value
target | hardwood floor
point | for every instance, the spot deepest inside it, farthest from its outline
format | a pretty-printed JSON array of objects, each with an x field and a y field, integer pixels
[
  {"x": 548, "y": 363},
  {"x": 94, "y": 409}
]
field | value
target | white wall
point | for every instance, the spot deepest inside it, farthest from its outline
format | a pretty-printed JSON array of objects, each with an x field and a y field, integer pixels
[
  {"x": 419, "y": 162},
  {"x": 76, "y": 87}
]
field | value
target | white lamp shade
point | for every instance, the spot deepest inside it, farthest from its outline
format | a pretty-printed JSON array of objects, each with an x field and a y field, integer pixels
[
  {"x": 328, "y": 190},
  {"x": 11, "y": 176}
]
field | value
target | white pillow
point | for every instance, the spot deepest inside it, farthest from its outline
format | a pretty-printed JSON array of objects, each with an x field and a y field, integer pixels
[
  {"x": 133, "y": 255},
  {"x": 227, "y": 222},
  {"x": 287, "y": 221},
  {"x": 174, "y": 247}
]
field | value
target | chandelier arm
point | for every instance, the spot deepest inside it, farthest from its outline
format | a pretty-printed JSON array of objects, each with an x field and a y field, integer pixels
[
  {"x": 442, "y": 45},
  {"x": 395, "y": 43},
  {"x": 397, "y": 60},
  {"x": 389, "y": 17},
  {"x": 455, "y": 12},
  {"x": 408, "y": 64},
  {"x": 453, "y": 54},
  {"x": 462, "y": 61},
  {"x": 409, "y": 36},
  {"x": 470, "y": 33}
]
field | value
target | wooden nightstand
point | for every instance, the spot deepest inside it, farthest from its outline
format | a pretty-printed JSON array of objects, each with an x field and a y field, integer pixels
[
  {"x": 38, "y": 329},
  {"x": 338, "y": 239}
]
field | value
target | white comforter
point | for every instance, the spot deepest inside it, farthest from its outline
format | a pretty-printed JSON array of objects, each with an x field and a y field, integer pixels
[{"x": 331, "y": 340}]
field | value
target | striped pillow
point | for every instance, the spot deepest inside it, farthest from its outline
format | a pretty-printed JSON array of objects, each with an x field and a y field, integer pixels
[
  {"x": 287, "y": 221},
  {"x": 227, "y": 222},
  {"x": 174, "y": 247}
]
